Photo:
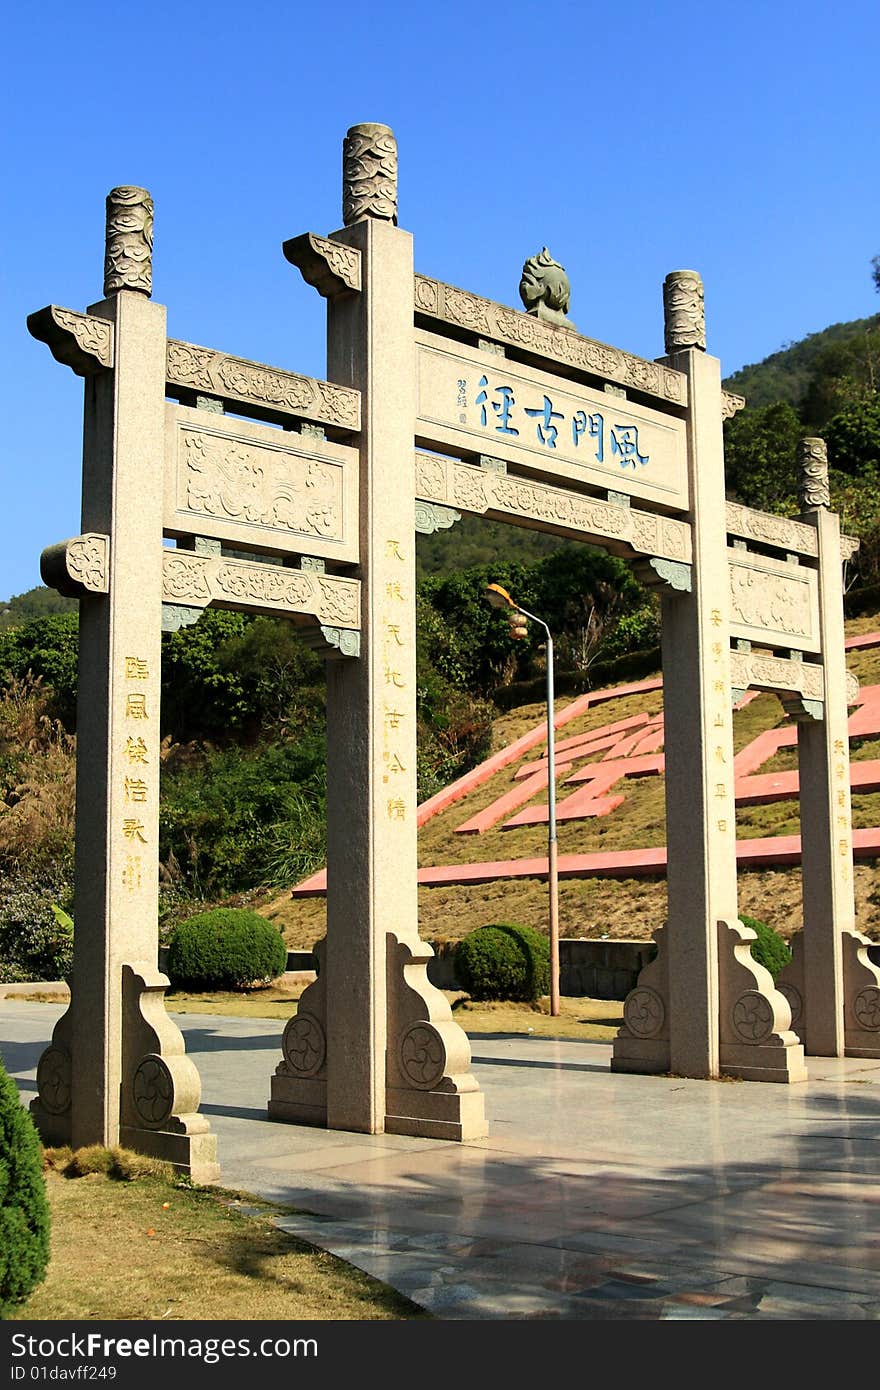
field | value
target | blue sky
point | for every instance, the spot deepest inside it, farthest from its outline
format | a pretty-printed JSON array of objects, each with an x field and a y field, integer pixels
[{"x": 739, "y": 140}]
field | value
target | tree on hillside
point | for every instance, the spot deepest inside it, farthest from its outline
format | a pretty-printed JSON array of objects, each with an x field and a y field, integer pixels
[{"x": 760, "y": 456}]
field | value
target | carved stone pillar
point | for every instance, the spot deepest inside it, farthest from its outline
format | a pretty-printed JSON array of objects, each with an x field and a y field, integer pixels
[
  {"x": 830, "y": 968},
  {"x": 116, "y": 1070},
  {"x": 378, "y": 1048}
]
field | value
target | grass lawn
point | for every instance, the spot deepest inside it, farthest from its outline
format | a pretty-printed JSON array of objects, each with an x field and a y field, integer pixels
[
  {"x": 591, "y": 1020},
  {"x": 144, "y": 1245}
]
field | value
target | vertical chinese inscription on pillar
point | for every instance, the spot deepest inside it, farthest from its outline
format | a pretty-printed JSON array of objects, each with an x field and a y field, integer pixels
[
  {"x": 720, "y": 733},
  {"x": 138, "y": 770},
  {"x": 395, "y": 735},
  {"x": 842, "y": 830}
]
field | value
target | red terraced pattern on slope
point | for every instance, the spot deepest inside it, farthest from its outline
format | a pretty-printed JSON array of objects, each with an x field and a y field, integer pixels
[{"x": 865, "y": 777}]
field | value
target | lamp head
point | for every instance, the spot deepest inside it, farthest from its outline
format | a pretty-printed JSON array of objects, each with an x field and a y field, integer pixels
[{"x": 498, "y": 597}]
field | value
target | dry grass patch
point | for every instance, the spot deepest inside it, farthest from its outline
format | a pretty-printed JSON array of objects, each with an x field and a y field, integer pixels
[
  {"x": 584, "y": 1020},
  {"x": 151, "y": 1249}
]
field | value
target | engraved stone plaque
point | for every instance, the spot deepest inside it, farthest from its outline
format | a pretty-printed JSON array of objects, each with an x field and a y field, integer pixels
[
  {"x": 471, "y": 402},
  {"x": 260, "y": 488},
  {"x": 773, "y": 602}
]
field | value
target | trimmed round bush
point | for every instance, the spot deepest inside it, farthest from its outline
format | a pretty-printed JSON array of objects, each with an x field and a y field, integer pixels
[
  {"x": 24, "y": 1208},
  {"x": 226, "y": 948},
  {"x": 769, "y": 950},
  {"x": 504, "y": 961}
]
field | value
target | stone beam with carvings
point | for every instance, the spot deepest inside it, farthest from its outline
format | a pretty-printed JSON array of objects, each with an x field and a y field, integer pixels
[
  {"x": 503, "y": 496},
  {"x": 79, "y": 341},
  {"x": 269, "y": 391},
  {"x": 780, "y": 531},
  {"x": 757, "y": 671},
  {"x": 195, "y": 581},
  {"x": 446, "y": 304}
]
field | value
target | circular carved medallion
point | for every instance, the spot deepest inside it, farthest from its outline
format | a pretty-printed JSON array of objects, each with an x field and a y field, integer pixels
[
  {"x": 644, "y": 1012},
  {"x": 304, "y": 1044},
  {"x": 422, "y": 1055},
  {"x": 866, "y": 1007},
  {"x": 153, "y": 1090},
  {"x": 752, "y": 1017},
  {"x": 795, "y": 1002},
  {"x": 53, "y": 1080}
]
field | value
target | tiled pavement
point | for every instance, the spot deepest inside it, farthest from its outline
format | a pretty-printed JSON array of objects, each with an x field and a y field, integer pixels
[{"x": 596, "y": 1196}]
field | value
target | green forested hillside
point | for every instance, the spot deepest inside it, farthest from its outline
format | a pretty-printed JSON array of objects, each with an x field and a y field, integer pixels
[
  {"x": 797, "y": 372},
  {"x": 35, "y": 603}
]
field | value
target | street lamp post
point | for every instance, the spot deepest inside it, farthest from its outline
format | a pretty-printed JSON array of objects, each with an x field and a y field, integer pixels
[{"x": 500, "y": 598}]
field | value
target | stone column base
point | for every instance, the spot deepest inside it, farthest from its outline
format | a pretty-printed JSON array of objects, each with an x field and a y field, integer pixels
[
  {"x": 192, "y": 1150},
  {"x": 298, "y": 1100},
  {"x": 51, "y": 1108},
  {"x": 436, "y": 1114},
  {"x": 298, "y": 1092}
]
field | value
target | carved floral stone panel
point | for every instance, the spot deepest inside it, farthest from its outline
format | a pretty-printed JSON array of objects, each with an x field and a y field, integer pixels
[
  {"x": 773, "y": 602},
  {"x": 260, "y": 487}
]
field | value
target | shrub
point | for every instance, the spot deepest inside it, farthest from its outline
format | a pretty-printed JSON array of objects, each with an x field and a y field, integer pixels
[
  {"x": 769, "y": 949},
  {"x": 504, "y": 961},
  {"x": 24, "y": 1208},
  {"x": 36, "y": 932},
  {"x": 226, "y": 948}
]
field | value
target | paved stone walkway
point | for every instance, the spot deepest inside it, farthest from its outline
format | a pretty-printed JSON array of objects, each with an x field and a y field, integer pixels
[{"x": 596, "y": 1196}]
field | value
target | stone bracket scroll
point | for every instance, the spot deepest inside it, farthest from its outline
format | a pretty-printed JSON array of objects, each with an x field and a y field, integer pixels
[
  {"x": 333, "y": 641},
  {"x": 670, "y": 574},
  {"x": 79, "y": 341},
  {"x": 78, "y": 566},
  {"x": 433, "y": 516},
  {"x": 730, "y": 404},
  {"x": 330, "y": 267}
]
